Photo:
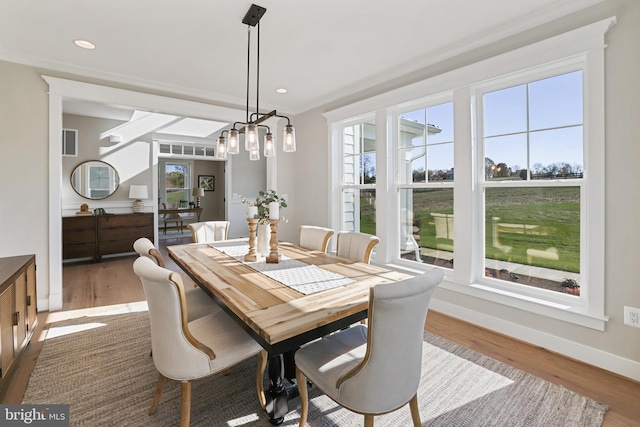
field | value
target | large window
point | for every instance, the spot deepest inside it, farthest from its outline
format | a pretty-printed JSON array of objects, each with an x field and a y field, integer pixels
[
  {"x": 494, "y": 172},
  {"x": 532, "y": 136}
]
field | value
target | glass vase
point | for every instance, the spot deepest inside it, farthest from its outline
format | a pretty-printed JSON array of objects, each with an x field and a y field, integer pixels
[{"x": 264, "y": 235}]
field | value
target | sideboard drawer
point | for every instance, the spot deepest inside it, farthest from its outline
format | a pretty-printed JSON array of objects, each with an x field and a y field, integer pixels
[
  {"x": 79, "y": 237},
  {"x": 117, "y": 233}
]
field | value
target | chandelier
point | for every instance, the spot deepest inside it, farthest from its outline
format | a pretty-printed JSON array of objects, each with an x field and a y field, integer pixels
[{"x": 253, "y": 121}]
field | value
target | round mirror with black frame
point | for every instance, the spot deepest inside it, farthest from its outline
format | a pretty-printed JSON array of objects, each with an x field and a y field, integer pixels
[{"x": 95, "y": 179}]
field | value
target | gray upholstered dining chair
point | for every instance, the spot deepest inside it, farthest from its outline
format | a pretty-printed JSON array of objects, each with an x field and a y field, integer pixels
[
  {"x": 374, "y": 370},
  {"x": 190, "y": 350},
  {"x": 355, "y": 245},
  {"x": 209, "y": 231},
  {"x": 199, "y": 304},
  {"x": 315, "y": 238}
]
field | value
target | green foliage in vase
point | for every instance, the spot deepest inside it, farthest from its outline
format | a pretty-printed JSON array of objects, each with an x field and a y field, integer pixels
[{"x": 262, "y": 202}]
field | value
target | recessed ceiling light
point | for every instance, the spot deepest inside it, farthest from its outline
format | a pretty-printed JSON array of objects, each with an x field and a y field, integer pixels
[
  {"x": 281, "y": 90},
  {"x": 84, "y": 44}
]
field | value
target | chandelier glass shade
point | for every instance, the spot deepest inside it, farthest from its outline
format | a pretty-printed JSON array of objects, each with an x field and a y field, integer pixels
[{"x": 253, "y": 121}]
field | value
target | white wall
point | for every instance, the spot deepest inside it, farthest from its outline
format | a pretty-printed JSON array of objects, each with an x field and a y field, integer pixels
[
  {"x": 310, "y": 200},
  {"x": 24, "y": 215}
]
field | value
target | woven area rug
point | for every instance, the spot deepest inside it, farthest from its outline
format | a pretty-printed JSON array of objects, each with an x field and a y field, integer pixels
[{"x": 102, "y": 368}]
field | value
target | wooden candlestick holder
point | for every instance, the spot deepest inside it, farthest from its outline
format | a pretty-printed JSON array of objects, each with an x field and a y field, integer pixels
[
  {"x": 273, "y": 257},
  {"x": 252, "y": 255}
]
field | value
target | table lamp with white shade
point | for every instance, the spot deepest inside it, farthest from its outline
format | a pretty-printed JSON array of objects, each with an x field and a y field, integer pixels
[
  {"x": 197, "y": 193},
  {"x": 138, "y": 192}
]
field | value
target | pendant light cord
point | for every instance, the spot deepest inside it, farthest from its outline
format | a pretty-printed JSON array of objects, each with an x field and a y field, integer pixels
[
  {"x": 248, "y": 68},
  {"x": 258, "y": 75}
]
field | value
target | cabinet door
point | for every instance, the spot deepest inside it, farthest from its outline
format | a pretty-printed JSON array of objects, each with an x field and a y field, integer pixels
[
  {"x": 7, "y": 350},
  {"x": 21, "y": 311},
  {"x": 32, "y": 301}
]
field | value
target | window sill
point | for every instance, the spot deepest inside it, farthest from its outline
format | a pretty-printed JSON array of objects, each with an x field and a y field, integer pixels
[
  {"x": 563, "y": 312},
  {"x": 555, "y": 310}
]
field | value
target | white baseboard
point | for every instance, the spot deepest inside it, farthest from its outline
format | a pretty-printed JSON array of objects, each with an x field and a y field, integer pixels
[{"x": 592, "y": 356}]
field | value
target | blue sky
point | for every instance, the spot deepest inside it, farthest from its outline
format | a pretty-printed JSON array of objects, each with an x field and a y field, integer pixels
[{"x": 552, "y": 114}]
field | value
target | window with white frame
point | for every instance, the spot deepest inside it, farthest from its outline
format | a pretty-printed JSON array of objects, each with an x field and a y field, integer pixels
[
  {"x": 532, "y": 139},
  {"x": 525, "y": 132},
  {"x": 425, "y": 183},
  {"x": 358, "y": 195},
  {"x": 177, "y": 184}
]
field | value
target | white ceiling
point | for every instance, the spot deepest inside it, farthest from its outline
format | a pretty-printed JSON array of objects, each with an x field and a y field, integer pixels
[{"x": 319, "y": 51}]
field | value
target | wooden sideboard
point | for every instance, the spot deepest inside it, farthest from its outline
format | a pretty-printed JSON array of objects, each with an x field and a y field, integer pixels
[
  {"x": 18, "y": 312},
  {"x": 95, "y": 236}
]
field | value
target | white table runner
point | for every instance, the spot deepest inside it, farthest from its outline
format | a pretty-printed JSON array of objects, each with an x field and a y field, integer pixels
[{"x": 302, "y": 277}]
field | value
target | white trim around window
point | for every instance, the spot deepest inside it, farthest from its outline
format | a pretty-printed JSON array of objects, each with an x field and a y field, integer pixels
[{"x": 582, "y": 48}]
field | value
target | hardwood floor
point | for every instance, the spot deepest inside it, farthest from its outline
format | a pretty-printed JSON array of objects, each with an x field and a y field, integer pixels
[{"x": 90, "y": 287}]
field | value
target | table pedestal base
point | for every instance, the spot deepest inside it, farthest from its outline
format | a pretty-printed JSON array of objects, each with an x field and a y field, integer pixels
[{"x": 282, "y": 387}]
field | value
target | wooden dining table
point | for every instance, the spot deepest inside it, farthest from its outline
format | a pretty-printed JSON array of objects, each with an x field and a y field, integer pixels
[{"x": 277, "y": 316}]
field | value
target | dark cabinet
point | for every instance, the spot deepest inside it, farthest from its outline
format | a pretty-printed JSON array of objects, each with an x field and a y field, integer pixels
[
  {"x": 116, "y": 233},
  {"x": 79, "y": 237},
  {"x": 95, "y": 236},
  {"x": 18, "y": 313}
]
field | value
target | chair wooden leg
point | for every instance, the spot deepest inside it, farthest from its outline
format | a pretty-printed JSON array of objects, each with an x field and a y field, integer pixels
[
  {"x": 368, "y": 420},
  {"x": 262, "y": 365},
  {"x": 156, "y": 396},
  {"x": 185, "y": 414},
  {"x": 301, "y": 379},
  {"x": 415, "y": 413}
]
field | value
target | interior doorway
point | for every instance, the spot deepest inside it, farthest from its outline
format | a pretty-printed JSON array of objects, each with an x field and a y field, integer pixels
[{"x": 176, "y": 180}]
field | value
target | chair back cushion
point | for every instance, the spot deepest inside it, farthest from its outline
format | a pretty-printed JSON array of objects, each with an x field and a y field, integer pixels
[
  {"x": 315, "y": 238},
  {"x": 209, "y": 231},
  {"x": 174, "y": 353},
  {"x": 355, "y": 246},
  {"x": 389, "y": 375},
  {"x": 145, "y": 248}
]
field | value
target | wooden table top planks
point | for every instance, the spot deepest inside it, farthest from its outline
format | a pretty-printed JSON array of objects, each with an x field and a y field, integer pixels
[{"x": 274, "y": 311}]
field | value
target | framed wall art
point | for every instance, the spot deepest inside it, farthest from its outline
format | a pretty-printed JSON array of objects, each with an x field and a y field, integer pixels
[{"x": 208, "y": 182}]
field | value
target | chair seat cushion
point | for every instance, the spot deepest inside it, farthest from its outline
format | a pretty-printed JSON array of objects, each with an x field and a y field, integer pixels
[
  {"x": 325, "y": 361},
  {"x": 199, "y": 304},
  {"x": 219, "y": 331}
]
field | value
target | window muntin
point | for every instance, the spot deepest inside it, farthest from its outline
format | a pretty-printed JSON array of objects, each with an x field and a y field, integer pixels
[
  {"x": 186, "y": 151},
  {"x": 101, "y": 181},
  {"x": 532, "y": 233},
  {"x": 359, "y": 154},
  {"x": 177, "y": 182},
  {"x": 358, "y": 192},
  {"x": 535, "y": 126},
  {"x": 425, "y": 144},
  {"x": 425, "y": 165}
]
